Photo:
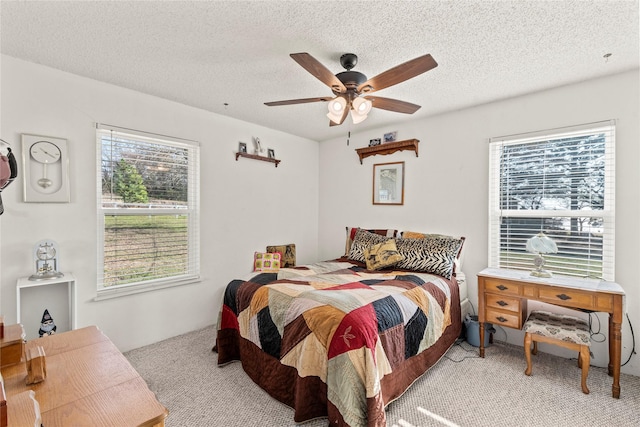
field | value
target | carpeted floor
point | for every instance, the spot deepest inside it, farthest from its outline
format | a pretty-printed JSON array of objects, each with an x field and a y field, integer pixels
[{"x": 461, "y": 389}]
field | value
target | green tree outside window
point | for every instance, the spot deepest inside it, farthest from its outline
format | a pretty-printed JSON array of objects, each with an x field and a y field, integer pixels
[{"x": 129, "y": 184}]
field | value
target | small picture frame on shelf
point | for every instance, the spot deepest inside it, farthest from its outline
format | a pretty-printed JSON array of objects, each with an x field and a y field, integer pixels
[
  {"x": 242, "y": 147},
  {"x": 374, "y": 142},
  {"x": 390, "y": 137},
  {"x": 271, "y": 153}
]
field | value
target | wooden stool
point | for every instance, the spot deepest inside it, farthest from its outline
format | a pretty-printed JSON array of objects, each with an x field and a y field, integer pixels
[{"x": 565, "y": 331}]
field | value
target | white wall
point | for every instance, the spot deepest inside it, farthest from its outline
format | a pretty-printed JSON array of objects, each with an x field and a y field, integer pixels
[
  {"x": 445, "y": 190},
  {"x": 446, "y": 186},
  {"x": 245, "y": 205}
]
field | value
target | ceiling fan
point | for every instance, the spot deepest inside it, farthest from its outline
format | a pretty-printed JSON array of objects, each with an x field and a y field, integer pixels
[{"x": 351, "y": 88}]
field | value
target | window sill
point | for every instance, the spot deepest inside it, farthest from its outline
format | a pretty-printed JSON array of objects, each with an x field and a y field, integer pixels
[{"x": 108, "y": 293}]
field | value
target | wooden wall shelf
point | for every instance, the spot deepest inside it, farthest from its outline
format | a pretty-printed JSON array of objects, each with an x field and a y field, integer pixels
[
  {"x": 256, "y": 157},
  {"x": 388, "y": 148}
]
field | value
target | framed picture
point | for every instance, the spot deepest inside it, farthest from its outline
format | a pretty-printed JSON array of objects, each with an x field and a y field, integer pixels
[
  {"x": 242, "y": 147},
  {"x": 46, "y": 169},
  {"x": 374, "y": 142},
  {"x": 390, "y": 137},
  {"x": 388, "y": 183},
  {"x": 271, "y": 154}
]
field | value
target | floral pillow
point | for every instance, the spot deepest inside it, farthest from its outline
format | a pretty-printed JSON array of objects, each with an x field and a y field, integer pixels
[{"x": 267, "y": 262}]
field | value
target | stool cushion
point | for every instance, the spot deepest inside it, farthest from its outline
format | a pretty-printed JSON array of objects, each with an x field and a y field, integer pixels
[{"x": 559, "y": 326}]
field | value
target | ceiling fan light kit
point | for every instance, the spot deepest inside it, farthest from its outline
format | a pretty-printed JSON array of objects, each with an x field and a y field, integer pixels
[
  {"x": 348, "y": 86},
  {"x": 360, "y": 109},
  {"x": 336, "y": 108}
]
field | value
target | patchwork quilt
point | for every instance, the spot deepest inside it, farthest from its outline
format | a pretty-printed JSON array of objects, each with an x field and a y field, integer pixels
[{"x": 335, "y": 340}]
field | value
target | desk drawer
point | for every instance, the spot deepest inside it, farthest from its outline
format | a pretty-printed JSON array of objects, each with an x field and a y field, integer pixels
[
  {"x": 502, "y": 318},
  {"x": 503, "y": 302},
  {"x": 566, "y": 297},
  {"x": 11, "y": 354},
  {"x": 498, "y": 286},
  {"x": 11, "y": 345}
]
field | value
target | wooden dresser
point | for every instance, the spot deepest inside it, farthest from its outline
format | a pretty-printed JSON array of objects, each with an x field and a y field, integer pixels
[
  {"x": 89, "y": 383},
  {"x": 503, "y": 296},
  {"x": 11, "y": 345}
]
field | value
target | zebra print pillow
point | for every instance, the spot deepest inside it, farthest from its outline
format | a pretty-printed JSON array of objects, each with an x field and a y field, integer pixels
[
  {"x": 362, "y": 241},
  {"x": 457, "y": 265},
  {"x": 431, "y": 254},
  {"x": 351, "y": 234}
]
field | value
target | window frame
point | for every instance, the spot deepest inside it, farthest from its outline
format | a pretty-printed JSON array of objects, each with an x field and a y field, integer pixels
[
  {"x": 497, "y": 213},
  {"x": 192, "y": 211}
]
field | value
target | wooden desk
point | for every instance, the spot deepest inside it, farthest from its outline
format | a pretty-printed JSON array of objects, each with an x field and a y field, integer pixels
[
  {"x": 11, "y": 345},
  {"x": 89, "y": 382},
  {"x": 503, "y": 295}
]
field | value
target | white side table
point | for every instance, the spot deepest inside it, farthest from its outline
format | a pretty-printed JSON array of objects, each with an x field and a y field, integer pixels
[{"x": 34, "y": 296}]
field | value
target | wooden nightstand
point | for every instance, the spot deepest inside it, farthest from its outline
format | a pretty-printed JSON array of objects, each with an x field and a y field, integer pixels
[{"x": 503, "y": 296}]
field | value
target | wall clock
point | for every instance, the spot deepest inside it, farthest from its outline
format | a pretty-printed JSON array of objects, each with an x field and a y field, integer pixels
[{"x": 46, "y": 169}]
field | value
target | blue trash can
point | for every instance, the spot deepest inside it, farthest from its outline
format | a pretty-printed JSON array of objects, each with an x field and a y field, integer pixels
[{"x": 473, "y": 331}]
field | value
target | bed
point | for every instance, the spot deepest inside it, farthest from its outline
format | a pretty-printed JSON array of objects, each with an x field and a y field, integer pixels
[{"x": 343, "y": 338}]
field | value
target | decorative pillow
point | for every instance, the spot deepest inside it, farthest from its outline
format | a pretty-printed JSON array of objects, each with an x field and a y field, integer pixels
[
  {"x": 362, "y": 241},
  {"x": 351, "y": 232},
  {"x": 267, "y": 262},
  {"x": 288, "y": 253},
  {"x": 414, "y": 235},
  {"x": 431, "y": 254},
  {"x": 382, "y": 255}
]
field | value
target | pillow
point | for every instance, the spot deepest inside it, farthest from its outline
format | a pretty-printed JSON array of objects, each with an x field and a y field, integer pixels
[
  {"x": 431, "y": 254},
  {"x": 267, "y": 262},
  {"x": 287, "y": 253},
  {"x": 351, "y": 232},
  {"x": 414, "y": 235},
  {"x": 363, "y": 240},
  {"x": 382, "y": 255}
]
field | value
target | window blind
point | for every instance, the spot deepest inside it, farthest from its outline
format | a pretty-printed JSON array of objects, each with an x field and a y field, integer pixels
[
  {"x": 148, "y": 210},
  {"x": 559, "y": 182}
]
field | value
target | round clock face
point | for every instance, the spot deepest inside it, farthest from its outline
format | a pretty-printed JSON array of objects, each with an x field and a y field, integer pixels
[
  {"x": 45, "y": 152},
  {"x": 46, "y": 252}
]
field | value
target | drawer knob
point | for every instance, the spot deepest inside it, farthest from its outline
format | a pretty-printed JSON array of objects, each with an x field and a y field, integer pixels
[
  {"x": 502, "y": 303},
  {"x": 563, "y": 297},
  {"x": 502, "y": 287},
  {"x": 501, "y": 319}
]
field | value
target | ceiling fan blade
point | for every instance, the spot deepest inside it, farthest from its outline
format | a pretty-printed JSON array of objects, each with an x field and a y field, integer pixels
[
  {"x": 344, "y": 116},
  {"x": 299, "y": 101},
  {"x": 319, "y": 71},
  {"x": 399, "y": 73},
  {"x": 393, "y": 105}
]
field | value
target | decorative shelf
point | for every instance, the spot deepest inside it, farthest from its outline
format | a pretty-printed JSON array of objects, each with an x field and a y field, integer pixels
[
  {"x": 256, "y": 157},
  {"x": 388, "y": 148},
  {"x": 58, "y": 295}
]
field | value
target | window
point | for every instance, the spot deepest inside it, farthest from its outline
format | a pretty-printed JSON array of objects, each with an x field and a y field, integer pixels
[
  {"x": 148, "y": 208},
  {"x": 559, "y": 182}
]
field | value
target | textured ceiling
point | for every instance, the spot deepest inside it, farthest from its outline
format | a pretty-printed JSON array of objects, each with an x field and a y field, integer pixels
[{"x": 209, "y": 53}]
